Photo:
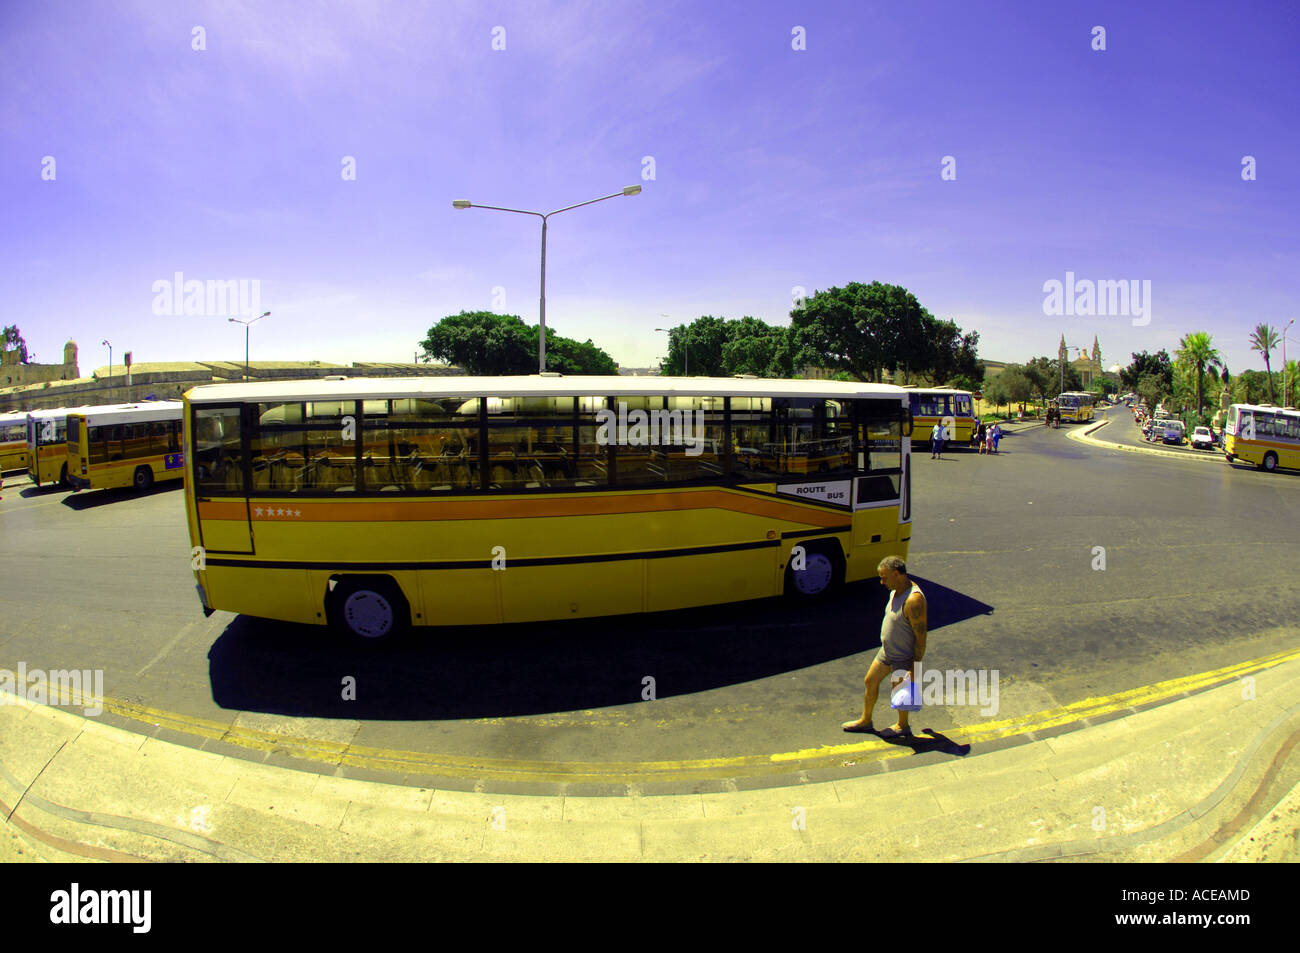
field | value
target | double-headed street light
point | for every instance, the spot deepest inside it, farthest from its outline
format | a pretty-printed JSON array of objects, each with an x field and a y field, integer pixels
[
  {"x": 541, "y": 337},
  {"x": 246, "y": 324}
]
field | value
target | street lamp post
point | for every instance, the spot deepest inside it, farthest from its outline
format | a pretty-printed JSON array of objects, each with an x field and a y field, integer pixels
[
  {"x": 110, "y": 368},
  {"x": 541, "y": 336},
  {"x": 1284, "y": 364},
  {"x": 686, "y": 348},
  {"x": 246, "y": 324}
]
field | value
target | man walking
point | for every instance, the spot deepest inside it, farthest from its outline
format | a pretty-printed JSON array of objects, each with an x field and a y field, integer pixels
[{"x": 902, "y": 643}]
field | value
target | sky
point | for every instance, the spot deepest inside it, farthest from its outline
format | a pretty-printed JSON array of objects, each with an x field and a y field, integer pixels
[{"x": 971, "y": 152}]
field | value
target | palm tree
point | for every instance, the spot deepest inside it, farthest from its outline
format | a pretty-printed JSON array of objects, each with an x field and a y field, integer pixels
[
  {"x": 1265, "y": 339},
  {"x": 1196, "y": 350}
]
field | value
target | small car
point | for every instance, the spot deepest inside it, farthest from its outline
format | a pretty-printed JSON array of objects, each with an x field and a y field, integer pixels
[
  {"x": 1171, "y": 431},
  {"x": 1202, "y": 439}
]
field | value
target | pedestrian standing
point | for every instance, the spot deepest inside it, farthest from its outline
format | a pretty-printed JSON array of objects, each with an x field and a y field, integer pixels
[
  {"x": 902, "y": 645},
  {"x": 936, "y": 443},
  {"x": 997, "y": 435}
]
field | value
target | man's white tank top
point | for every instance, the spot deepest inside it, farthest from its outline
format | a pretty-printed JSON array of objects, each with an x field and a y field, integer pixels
[{"x": 897, "y": 637}]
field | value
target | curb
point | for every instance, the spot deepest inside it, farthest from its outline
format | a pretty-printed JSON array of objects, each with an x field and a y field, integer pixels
[{"x": 1085, "y": 436}]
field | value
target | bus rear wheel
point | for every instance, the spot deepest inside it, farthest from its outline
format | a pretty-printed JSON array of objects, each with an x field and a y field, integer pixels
[
  {"x": 143, "y": 478},
  {"x": 1270, "y": 462},
  {"x": 821, "y": 570},
  {"x": 371, "y": 609}
]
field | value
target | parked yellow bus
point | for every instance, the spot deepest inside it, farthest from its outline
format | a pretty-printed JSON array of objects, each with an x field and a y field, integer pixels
[
  {"x": 371, "y": 504},
  {"x": 13, "y": 442},
  {"x": 952, "y": 410},
  {"x": 124, "y": 445},
  {"x": 1266, "y": 436},
  {"x": 47, "y": 446},
  {"x": 1076, "y": 406}
]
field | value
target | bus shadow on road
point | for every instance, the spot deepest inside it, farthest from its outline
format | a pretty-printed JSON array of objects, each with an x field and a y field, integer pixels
[
  {"x": 92, "y": 498},
  {"x": 513, "y": 670}
]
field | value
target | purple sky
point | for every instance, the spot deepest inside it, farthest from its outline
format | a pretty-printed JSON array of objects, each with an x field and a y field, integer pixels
[{"x": 773, "y": 168}]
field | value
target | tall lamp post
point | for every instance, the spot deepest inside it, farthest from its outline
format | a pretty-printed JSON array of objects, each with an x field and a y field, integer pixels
[
  {"x": 110, "y": 367},
  {"x": 541, "y": 337},
  {"x": 686, "y": 348},
  {"x": 246, "y": 325},
  {"x": 1284, "y": 364}
]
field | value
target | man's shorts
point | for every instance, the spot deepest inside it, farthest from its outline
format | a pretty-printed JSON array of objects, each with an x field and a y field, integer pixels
[{"x": 894, "y": 664}]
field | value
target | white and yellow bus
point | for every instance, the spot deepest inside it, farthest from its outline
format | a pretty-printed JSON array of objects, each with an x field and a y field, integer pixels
[
  {"x": 371, "y": 504},
  {"x": 1266, "y": 436},
  {"x": 952, "y": 410},
  {"x": 124, "y": 445},
  {"x": 13, "y": 442},
  {"x": 47, "y": 446},
  {"x": 1076, "y": 406}
]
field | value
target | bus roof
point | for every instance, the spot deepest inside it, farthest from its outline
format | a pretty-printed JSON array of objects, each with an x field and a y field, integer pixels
[
  {"x": 1271, "y": 408},
  {"x": 383, "y": 388},
  {"x": 54, "y": 412},
  {"x": 13, "y": 418},
  {"x": 144, "y": 412},
  {"x": 917, "y": 389}
]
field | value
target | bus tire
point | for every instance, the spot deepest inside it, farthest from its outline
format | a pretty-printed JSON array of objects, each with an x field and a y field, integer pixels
[
  {"x": 143, "y": 478},
  {"x": 1270, "y": 462},
  {"x": 823, "y": 571},
  {"x": 369, "y": 608}
]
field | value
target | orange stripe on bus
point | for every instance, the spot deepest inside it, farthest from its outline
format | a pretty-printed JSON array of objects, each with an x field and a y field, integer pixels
[{"x": 461, "y": 509}]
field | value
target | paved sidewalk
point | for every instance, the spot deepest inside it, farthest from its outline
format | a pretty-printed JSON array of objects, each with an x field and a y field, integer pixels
[{"x": 1209, "y": 776}]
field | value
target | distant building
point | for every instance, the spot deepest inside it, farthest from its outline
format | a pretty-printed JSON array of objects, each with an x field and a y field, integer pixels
[
  {"x": 15, "y": 373},
  {"x": 1087, "y": 365}
]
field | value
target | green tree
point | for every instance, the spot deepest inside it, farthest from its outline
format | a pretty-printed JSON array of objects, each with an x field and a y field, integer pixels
[
  {"x": 13, "y": 341},
  {"x": 1145, "y": 363},
  {"x": 1289, "y": 383},
  {"x": 483, "y": 342},
  {"x": 696, "y": 348},
  {"x": 861, "y": 329},
  {"x": 756, "y": 347},
  {"x": 952, "y": 358},
  {"x": 1016, "y": 384},
  {"x": 1264, "y": 339},
  {"x": 1152, "y": 389},
  {"x": 1196, "y": 351},
  {"x": 997, "y": 392}
]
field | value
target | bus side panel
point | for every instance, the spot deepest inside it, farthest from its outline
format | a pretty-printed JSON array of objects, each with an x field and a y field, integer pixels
[
  {"x": 708, "y": 579},
  {"x": 283, "y": 594},
  {"x": 536, "y": 593},
  {"x": 456, "y": 596}
]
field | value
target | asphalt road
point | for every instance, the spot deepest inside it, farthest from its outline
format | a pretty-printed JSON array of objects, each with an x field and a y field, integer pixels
[{"x": 1198, "y": 570}]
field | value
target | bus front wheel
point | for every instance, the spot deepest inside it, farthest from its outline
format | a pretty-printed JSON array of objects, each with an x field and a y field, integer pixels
[
  {"x": 143, "y": 478},
  {"x": 370, "y": 609},
  {"x": 1270, "y": 462},
  {"x": 813, "y": 572}
]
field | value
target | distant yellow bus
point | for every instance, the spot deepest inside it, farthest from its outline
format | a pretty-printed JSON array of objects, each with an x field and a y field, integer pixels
[
  {"x": 1266, "y": 436},
  {"x": 13, "y": 442},
  {"x": 124, "y": 445},
  {"x": 47, "y": 446},
  {"x": 372, "y": 504},
  {"x": 1076, "y": 406},
  {"x": 952, "y": 410}
]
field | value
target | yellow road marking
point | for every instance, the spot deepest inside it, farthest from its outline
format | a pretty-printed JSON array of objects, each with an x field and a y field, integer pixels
[{"x": 417, "y": 762}]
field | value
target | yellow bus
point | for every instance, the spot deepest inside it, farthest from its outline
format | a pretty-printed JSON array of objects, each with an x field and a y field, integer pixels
[
  {"x": 374, "y": 504},
  {"x": 952, "y": 410},
  {"x": 13, "y": 442},
  {"x": 47, "y": 446},
  {"x": 1266, "y": 436},
  {"x": 124, "y": 445},
  {"x": 1076, "y": 406}
]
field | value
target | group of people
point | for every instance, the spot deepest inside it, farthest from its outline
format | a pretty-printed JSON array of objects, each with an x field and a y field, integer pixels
[{"x": 985, "y": 437}]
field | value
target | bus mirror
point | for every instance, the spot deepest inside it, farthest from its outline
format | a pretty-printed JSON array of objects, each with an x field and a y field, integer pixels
[{"x": 907, "y": 425}]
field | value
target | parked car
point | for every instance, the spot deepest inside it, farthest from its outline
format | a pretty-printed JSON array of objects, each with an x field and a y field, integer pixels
[
  {"x": 1171, "y": 431},
  {"x": 1202, "y": 439}
]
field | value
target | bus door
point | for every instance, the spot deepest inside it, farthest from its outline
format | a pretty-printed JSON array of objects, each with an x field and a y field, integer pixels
[{"x": 220, "y": 483}]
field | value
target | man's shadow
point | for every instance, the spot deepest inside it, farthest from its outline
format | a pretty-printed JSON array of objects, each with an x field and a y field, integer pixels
[{"x": 936, "y": 742}]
